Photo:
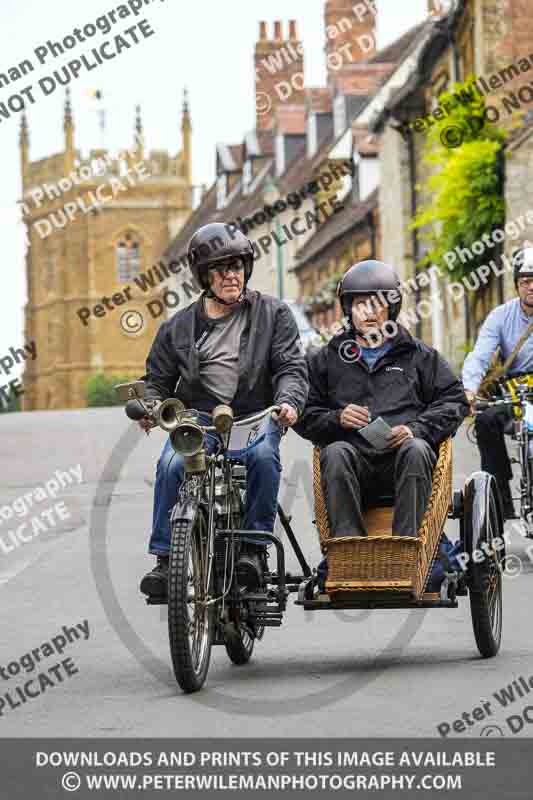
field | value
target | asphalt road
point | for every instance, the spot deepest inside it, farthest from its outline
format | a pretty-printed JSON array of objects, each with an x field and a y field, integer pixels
[{"x": 389, "y": 673}]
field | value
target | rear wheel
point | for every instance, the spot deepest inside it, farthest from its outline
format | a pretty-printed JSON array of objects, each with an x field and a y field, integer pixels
[
  {"x": 485, "y": 583},
  {"x": 190, "y": 620}
]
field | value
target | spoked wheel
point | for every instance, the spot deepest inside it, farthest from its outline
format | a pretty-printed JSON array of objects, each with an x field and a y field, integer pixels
[
  {"x": 190, "y": 620},
  {"x": 486, "y": 589}
]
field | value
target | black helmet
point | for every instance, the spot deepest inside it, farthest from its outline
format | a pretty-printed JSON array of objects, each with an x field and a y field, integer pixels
[
  {"x": 522, "y": 263},
  {"x": 214, "y": 242},
  {"x": 371, "y": 277}
]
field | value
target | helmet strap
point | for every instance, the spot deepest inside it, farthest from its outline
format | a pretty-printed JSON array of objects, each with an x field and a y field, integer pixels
[{"x": 212, "y": 296}]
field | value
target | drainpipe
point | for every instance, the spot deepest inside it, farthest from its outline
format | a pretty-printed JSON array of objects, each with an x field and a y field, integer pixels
[
  {"x": 502, "y": 180},
  {"x": 414, "y": 233},
  {"x": 280, "y": 264}
]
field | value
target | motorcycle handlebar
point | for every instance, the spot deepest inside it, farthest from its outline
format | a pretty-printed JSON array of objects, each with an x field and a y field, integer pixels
[
  {"x": 135, "y": 410},
  {"x": 248, "y": 420}
]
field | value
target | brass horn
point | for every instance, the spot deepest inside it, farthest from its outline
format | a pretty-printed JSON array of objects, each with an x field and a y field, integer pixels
[
  {"x": 168, "y": 414},
  {"x": 187, "y": 438}
]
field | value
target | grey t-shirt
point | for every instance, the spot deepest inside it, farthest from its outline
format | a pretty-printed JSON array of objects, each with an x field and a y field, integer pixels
[{"x": 219, "y": 353}]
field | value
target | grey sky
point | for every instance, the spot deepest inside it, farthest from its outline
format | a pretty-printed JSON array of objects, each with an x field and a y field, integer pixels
[{"x": 206, "y": 46}]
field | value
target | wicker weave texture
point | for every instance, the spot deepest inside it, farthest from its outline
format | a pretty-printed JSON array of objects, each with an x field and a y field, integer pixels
[{"x": 361, "y": 563}]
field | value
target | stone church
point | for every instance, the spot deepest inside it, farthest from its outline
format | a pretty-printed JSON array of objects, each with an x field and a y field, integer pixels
[{"x": 93, "y": 225}]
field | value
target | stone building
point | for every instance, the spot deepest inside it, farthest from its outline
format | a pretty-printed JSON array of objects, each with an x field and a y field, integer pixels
[
  {"x": 91, "y": 231},
  {"x": 483, "y": 39},
  {"x": 357, "y": 232},
  {"x": 282, "y": 164}
]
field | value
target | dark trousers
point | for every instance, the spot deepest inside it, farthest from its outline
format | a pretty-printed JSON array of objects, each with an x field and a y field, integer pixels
[
  {"x": 491, "y": 442},
  {"x": 350, "y": 478}
]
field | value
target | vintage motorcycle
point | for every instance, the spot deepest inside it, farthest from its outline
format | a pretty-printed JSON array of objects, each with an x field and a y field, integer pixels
[{"x": 206, "y": 604}]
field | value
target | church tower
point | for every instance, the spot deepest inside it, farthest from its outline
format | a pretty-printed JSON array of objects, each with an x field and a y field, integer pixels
[{"x": 94, "y": 224}]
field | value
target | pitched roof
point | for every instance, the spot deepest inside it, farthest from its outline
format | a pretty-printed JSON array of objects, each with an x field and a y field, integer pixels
[
  {"x": 205, "y": 213},
  {"x": 335, "y": 227},
  {"x": 437, "y": 32},
  {"x": 396, "y": 51},
  {"x": 302, "y": 169}
]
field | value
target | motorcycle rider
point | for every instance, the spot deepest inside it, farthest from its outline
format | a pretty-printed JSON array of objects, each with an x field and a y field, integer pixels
[
  {"x": 237, "y": 346},
  {"x": 375, "y": 368},
  {"x": 503, "y": 328}
]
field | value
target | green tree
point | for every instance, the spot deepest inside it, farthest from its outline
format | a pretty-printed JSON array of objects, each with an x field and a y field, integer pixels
[
  {"x": 100, "y": 389},
  {"x": 464, "y": 191}
]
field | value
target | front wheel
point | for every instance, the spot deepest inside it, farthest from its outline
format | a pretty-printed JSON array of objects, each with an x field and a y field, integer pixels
[{"x": 190, "y": 620}]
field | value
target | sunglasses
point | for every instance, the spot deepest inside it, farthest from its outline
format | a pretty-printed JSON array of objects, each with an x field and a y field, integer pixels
[{"x": 228, "y": 266}]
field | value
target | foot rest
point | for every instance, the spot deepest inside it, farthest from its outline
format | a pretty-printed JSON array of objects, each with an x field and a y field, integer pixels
[{"x": 360, "y": 563}]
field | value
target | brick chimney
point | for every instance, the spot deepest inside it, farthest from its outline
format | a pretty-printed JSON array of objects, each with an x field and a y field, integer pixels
[
  {"x": 350, "y": 33},
  {"x": 279, "y": 71}
]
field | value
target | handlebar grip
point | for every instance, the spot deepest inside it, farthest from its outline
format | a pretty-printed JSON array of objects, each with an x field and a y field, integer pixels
[
  {"x": 134, "y": 410},
  {"x": 482, "y": 405}
]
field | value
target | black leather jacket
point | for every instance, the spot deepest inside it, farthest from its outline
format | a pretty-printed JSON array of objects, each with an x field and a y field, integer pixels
[{"x": 272, "y": 367}]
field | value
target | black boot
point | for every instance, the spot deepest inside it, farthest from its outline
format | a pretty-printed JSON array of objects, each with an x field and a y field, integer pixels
[
  {"x": 154, "y": 583},
  {"x": 251, "y": 566}
]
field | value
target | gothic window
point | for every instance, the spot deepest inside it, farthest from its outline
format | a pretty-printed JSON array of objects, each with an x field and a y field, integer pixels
[{"x": 128, "y": 258}]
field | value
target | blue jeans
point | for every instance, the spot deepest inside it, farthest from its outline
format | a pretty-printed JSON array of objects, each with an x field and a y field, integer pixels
[{"x": 263, "y": 470}]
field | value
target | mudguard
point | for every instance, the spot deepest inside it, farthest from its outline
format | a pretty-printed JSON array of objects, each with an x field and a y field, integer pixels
[
  {"x": 186, "y": 507},
  {"x": 478, "y": 526}
]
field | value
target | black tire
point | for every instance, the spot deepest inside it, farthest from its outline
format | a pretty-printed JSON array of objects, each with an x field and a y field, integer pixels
[
  {"x": 239, "y": 644},
  {"x": 190, "y": 659},
  {"x": 485, "y": 581}
]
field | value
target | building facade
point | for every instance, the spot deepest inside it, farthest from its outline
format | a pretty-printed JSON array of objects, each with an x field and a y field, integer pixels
[
  {"x": 468, "y": 38},
  {"x": 94, "y": 225}
]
